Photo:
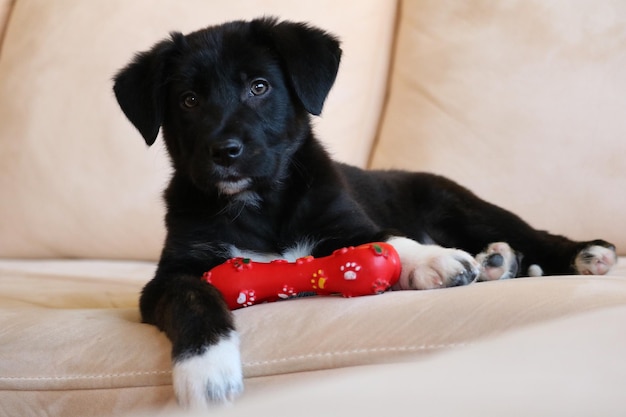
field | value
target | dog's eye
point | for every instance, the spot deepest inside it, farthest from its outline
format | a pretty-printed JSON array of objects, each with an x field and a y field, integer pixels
[
  {"x": 259, "y": 87},
  {"x": 189, "y": 100}
]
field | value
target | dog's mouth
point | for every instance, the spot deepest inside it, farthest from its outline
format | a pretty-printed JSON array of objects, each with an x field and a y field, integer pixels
[{"x": 233, "y": 185}]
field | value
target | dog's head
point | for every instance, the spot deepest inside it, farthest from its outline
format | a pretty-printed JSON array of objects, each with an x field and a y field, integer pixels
[{"x": 233, "y": 100}]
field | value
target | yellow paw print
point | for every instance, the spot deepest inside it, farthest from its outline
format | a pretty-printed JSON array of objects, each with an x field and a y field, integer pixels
[{"x": 319, "y": 280}]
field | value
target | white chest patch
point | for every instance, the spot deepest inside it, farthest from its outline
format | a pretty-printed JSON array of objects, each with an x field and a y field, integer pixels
[{"x": 299, "y": 250}]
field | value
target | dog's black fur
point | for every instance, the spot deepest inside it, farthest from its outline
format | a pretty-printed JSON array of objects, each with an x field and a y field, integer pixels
[{"x": 234, "y": 103}]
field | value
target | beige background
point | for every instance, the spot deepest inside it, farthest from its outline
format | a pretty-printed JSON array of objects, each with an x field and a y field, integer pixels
[
  {"x": 80, "y": 179},
  {"x": 522, "y": 101}
]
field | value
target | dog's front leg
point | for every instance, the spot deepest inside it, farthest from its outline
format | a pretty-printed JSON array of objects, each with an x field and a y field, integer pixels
[
  {"x": 205, "y": 346},
  {"x": 211, "y": 376},
  {"x": 430, "y": 266}
]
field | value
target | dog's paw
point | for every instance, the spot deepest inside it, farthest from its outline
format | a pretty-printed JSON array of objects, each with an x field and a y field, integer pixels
[
  {"x": 597, "y": 258},
  {"x": 498, "y": 261},
  {"x": 430, "y": 266},
  {"x": 210, "y": 378}
]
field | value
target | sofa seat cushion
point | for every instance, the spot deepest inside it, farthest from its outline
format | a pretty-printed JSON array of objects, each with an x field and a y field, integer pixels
[
  {"x": 72, "y": 284},
  {"x": 83, "y": 351},
  {"x": 564, "y": 367}
]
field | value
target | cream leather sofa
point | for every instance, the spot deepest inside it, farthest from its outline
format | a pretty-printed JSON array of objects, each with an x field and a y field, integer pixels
[{"x": 521, "y": 100}]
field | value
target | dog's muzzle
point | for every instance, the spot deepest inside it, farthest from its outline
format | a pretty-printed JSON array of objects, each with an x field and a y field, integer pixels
[{"x": 224, "y": 154}]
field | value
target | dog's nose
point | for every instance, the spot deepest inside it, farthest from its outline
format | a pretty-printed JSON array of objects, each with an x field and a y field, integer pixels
[{"x": 226, "y": 152}]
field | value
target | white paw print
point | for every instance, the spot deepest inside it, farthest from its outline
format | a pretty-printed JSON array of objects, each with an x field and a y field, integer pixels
[
  {"x": 350, "y": 270},
  {"x": 287, "y": 292},
  {"x": 246, "y": 298}
]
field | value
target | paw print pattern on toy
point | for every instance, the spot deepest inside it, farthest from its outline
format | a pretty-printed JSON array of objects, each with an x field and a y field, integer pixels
[
  {"x": 287, "y": 292},
  {"x": 380, "y": 286},
  {"x": 319, "y": 280},
  {"x": 350, "y": 270},
  {"x": 363, "y": 270},
  {"x": 246, "y": 298}
]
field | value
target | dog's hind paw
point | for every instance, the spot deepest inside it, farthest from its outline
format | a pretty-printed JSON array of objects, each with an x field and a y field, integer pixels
[
  {"x": 430, "y": 266},
  {"x": 213, "y": 377},
  {"x": 498, "y": 261},
  {"x": 597, "y": 258}
]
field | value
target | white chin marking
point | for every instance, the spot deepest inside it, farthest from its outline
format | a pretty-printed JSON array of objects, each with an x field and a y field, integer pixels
[
  {"x": 211, "y": 378},
  {"x": 234, "y": 187}
]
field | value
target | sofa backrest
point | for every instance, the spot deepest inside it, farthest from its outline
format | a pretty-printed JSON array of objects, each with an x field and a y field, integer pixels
[
  {"x": 523, "y": 102},
  {"x": 76, "y": 179},
  {"x": 5, "y": 9}
]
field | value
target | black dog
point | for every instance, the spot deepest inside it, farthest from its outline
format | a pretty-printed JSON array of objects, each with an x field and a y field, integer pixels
[{"x": 250, "y": 179}]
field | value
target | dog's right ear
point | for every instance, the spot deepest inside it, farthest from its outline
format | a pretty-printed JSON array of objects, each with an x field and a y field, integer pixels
[
  {"x": 140, "y": 88},
  {"x": 311, "y": 57}
]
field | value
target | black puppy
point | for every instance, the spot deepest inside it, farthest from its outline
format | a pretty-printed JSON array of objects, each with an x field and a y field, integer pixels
[{"x": 250, "y": 179}]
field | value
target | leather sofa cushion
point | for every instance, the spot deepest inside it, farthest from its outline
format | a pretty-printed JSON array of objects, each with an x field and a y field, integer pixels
[{"x": 83, "y": 351}]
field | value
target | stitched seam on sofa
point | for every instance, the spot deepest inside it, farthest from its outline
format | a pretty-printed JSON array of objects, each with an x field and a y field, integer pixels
[
  {"x": 398, "y": 349},
  {"x": 82, "y": 377}
]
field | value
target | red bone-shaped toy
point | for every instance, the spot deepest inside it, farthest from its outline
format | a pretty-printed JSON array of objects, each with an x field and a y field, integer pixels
[{"x": 363, "y": 270}]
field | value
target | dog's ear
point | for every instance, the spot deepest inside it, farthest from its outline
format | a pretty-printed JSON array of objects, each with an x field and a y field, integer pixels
[
  {"x": 140, "y": 88},
  {"x": 311, "y": 57}
]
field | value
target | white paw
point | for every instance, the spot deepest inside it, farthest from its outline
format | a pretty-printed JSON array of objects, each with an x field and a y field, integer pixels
[
  {"x": 211, "y": 378},
  {"x": 431, "y": 266},
  {"x": 497, "y": 261},
  {"x": 595, "y": 260},
  {"x": 535, "y": 270}
]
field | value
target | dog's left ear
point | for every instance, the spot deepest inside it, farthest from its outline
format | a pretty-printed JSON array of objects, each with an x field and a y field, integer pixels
[
  {"x": 311, "y": 57},
  {"x": 140, "y": 88}
]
